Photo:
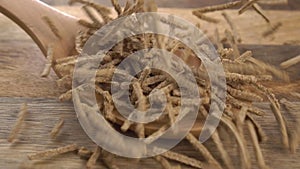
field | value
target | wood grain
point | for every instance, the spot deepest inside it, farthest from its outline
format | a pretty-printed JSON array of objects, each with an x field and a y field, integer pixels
[
  {"x": 43, "y": 114},
  {"x": 21, "y": 63}
]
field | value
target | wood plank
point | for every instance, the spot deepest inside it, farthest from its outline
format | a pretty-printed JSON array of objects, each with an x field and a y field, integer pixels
[
  {"x": 44, "y": 113},
  {"x": 21, "y": 62}
]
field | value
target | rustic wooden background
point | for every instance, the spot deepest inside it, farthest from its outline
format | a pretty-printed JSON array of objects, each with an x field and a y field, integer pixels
[{"x": 21, "y": 63}]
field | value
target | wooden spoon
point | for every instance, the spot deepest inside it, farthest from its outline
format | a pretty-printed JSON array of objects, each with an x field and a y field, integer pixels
[{"x": 28, "y": 14}]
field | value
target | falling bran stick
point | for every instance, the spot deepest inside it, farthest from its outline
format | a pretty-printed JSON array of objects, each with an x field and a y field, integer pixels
[
  {"x": 272, "y": 29},
  {"x": 17, "y": 127},
  {"x": 291, "y": 62},
  {"x": 205, "y": 18},
  {"x": 51, "y": 25},
  {"x": 244, "y": 56},
  {"x": 218, "y": 7},
  {"x": 233, "y": 43},
  {"x": 233, "y": 27},
  {"x": 247, "y": 5},
  {"x": 259, "y": 155},
  {"x": 244, "y": 153},
  {"x": 203, "y": 150},
  {"x": 281, "y": 121},
  {"x": 57, "y": 128},
  {"x": 218, "y": 40},
  {"x": 216, "y": 138},
  {"x": 260, "y": 11}
]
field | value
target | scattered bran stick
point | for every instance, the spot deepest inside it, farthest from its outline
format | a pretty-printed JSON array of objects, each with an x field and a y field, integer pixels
[
  {"x": 238, "y": 78},
  {"x": 108, "y": 160},
  {"x": 294, "y": 140},
  {"x": 154, "y": 136},
  {"x": 65, "y": 81},
  {"x": 258, "y": 152},
  {"x": 181, "y": 158},
  {"x": 127, "y": 6},
  {"x": 51, "y": 25},
  {"x": 244, "y": 56},
  {"x": 218, "y": 7},
  {"x": 289, "y": 105},
  {"x": 233, "y": 43},
  {"x": 49, "y": 63},
  {"x": 66, "y": 59},
  {"x": 57, "y": 128},
  {"x": 280, "y": 119},
  {"x": 280, "y": 74},
  {"x": 226, "y": 52},
  {"x": 84, "y": 153},
  {"x": 150, "y": 6},
  {"x": 66, "y": 96},
  {"x": 244, "y": 95},
  {"x": 117, "y": 6},
  {"x": 108, "y": 104},
  {"x": 225, "y": 156},
  {"x": 142, "y": 106},
  {"x": 154, "y": 79},
  {"x": 164, "y": 162},
  {"x": 291, "y": 62},
  {"x": 250, "y": 108},
  {"x": 244, "y": 153},
  {"x": 239, "y": 119},
  {"x": 18, "y": 124},
  {"x": 172, "y": 23},
  {"x": 293, "y": 135},
  {"x": 268, "y": 93},
  {"x": 93, "y": 159},
  {"x": 274, "y": 2},
  {"x": 218, "y": 40},
  {"x": 216, "y": 139},
  {"x": 78, "y": 41},
  {"x": 264, "y": 78},
  {"x": 91, "y": 15},
  {"x": 87, "y": 24},
  {"x": 202, "y": 149},
  {"x": 137, "y": 6},
  {"x": 259, "y": 131},
  {"x": 97, "y": 7},
  {"x": 53, "y": 152},
  {"x": 170, "y": 112}
]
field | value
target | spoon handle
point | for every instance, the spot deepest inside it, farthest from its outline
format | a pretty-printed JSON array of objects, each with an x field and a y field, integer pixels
[{"x": 30, "y": 16}]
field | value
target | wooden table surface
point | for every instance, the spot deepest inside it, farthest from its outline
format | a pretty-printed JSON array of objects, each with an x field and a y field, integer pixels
[{"x": 21, "y": 63}]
